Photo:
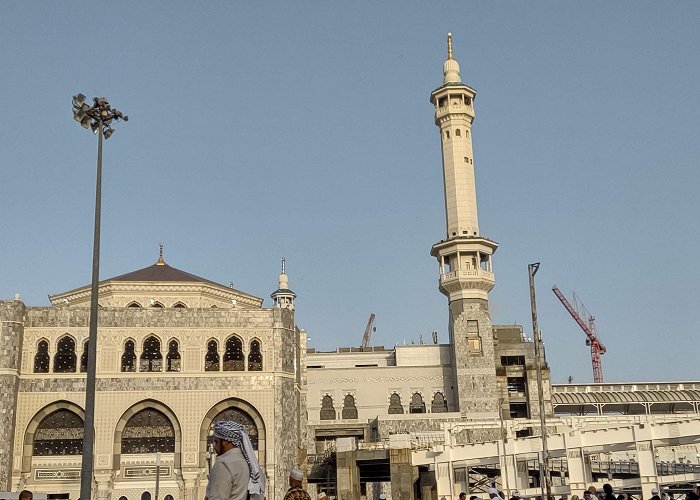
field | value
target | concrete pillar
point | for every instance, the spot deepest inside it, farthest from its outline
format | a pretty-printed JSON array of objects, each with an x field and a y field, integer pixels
[
  {"x": 403, "y": 474},
  {"x": 647, "y": 460},
  {"x": 348, "y": 474},
  {"x": 579, "y": 475}
]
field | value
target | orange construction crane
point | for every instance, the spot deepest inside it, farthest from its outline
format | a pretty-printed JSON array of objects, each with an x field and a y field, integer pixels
[
  {"x": 587, "y": 323},
  {"x": 368, "y": 331}
]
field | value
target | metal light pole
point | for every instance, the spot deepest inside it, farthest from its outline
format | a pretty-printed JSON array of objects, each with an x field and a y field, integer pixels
[
  {"x": 99, "y": 118},
  {"x": 545, "y": 479}
]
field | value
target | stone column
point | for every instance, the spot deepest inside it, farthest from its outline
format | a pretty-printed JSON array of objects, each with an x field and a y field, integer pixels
[
  {"x": 403, "y": 474},
  {"x": 103, "y": 483},
  {"x": 348, "y": 474},
  {"x": 11, "y": 333},
  {"x": 646, "y": 459}
]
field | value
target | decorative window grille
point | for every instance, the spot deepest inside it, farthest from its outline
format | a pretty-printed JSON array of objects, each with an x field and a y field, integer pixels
[
  {"x": 417, "y": 405},
  {"x": 395, "y": 407},
  {"x": 149, "y": 431},
  {"x": 255, "y": 357},
  {"x": 41, "y": 358},
  {"x": 211, "y": 359},
  {"x": 129, "y": 357},
  {"x": 84, "y": 357},
  {"x": 238, "y": 416},
  {"x": 173, "y": 358},
  {"x": 151, "y": 358},
  {"x": 327, "y": 409},
  {"x": 349, "y": 408},
  {"x": 65, "y": 359},
  {"x": 439, "y": 403},
  {"x": 59, "y": 433},
  {"x": 234, "y": 359}
]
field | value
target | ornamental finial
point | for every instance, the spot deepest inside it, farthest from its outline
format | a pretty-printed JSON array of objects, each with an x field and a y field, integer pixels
[
  {"x": 449, "y": 45},
  {"x": 160, "y": 262}
]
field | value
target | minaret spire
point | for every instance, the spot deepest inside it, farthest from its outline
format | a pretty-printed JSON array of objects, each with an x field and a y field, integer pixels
[
  {"x": 283, "y": 297},
  {"x": 161, "y": 261},
  {"x": 449, "y": 45}
]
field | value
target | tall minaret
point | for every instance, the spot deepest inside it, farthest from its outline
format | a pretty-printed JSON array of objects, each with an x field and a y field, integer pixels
[
  {"x": 283, "y": 297},
  {"x": 464, "y": 256}
]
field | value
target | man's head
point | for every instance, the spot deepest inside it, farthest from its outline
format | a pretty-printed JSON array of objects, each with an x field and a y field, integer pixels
[
  {"x": 654, "y": 491},
  {"x": 607, "y": 488},
  {"x": 463, "y": 496},
  {"x": 516, "y": 494},
  {"x": 296, "y": 476},
  {"x": 587, "y": 495},
  {"x": 493, "y": 493},
  {"x": 227, "y": 435},
  {"x": 322, "y": 496},
  {"x": 592, "y": 490},
  {"x": 26, "y": 495}
]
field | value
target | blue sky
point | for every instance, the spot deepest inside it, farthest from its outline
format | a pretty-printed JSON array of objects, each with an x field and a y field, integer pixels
[{"x": 303, "y": 129}]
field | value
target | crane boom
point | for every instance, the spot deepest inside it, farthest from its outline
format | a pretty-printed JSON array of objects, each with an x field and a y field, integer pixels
[
  {"x": 587, "y": 323},
  {"x": 368, "y": 331}
]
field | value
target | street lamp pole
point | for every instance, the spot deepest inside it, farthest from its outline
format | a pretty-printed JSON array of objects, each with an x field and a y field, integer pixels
[
  {"x": 99, "y": 118},
  {"x": 545, "y": 478}
]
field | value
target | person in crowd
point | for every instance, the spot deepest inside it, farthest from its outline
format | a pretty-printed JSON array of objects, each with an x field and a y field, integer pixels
[
  {"x": 515, "y": 495},
  {"x": 26, "y": 495},
  {"x": 655, "y": 494},
  {"x": 608, "y": 489},
  {"x": 463, "y": 496},
  {"x": 493, "y": 493},
  {"x": 295, "y": 491},
  {"x": 236, "y": 475},
  {"x": 322, "y": 496}
]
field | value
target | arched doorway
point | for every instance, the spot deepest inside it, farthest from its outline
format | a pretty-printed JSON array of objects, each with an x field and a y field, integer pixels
[{"x": 56, "y": 429}]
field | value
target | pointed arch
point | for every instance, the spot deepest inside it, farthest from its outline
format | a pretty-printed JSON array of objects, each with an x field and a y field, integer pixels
[
  {"x": 151, "y": 357},
  {"x": 65, "y": 359},
  {"x": 42, "y": 358},
  {"x": 179, "y": 305},
  {"x": 134, "y": 304},
  {"x": 31, "y": 432},
  {"x": 395, "y": 406},
  {"x": 211, "y": 358},
  {"x": 327, "y": 408},
  {"x": 255, "y": 359},
  {"x": 173, "y": 361},
  {"x": 139, "y": 408},
  {"x": 157, "y": 304},
  {"x": 417, "y": 405},
  {"x": 439, "y": 403},
  {"x": 238, "y": 410},
  {"x": 349, "y": 407},
  {"x": 129, "y": 356},
  {"x": 234, "y": 358}
]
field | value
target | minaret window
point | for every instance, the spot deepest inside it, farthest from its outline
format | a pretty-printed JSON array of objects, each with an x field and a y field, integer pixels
[
  {"x": 84, "y": 357},
  {"x": 129, "y": 357},
  {"x": 395, "y": 407},
  {"x": 172, "y": 360},
  {"x": 447, "y": 134},
  {"x": 473, "y": 338},
  {"x": 42, "y": 358},
  {"x": 151, "y": 357},
  {"x": 417, "y": 404},
  {"x": 439, "y": 404},
  {"x": 234, "y": 359},
  {"x": 59, "y": 433},
  {"x": 149, "y": 431},
  {"x": 349, "y": 408},
  {"x": 65, "y": 359},
  {"x": 327, "y": 409},
  {"x": 458, "y": 133},
  {"x": 211, "y": 360},
  {"x": 255, "y": 357}
]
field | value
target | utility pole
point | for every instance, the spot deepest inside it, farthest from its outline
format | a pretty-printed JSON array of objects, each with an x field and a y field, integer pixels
[{"x": 545, "y": 478}]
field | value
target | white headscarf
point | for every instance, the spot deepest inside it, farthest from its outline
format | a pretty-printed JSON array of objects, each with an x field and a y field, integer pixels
[{"x": 235, "y": 433}]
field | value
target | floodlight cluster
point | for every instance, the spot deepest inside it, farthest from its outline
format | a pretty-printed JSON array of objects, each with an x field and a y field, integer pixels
[{"x": 97, "y": 117}]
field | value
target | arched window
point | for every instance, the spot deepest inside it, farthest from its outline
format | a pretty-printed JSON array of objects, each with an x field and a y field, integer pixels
[
  {"x": 255, "y": 357},
  {"x": 134, "y": 304},
  {"x": 149, "y": 431},
  {"x": 179, "y": 305},
  {"x": 234, "y": 360},
  {"x": 155, "y": 303},
  {"x": 123, "y": 498},
  {"x": 417, "y": 405},
  {"x": 168, "y": 497},
  {"x": 84, "y": 357},
  {"x": 146, "y": 495},
  {"x": 211, "y": 360},
  {"x": 59, "y": 433},
  {"x": 327, "y": 410},
  {"x": 240, "y": 417},
  {"x": 395, "y": 406},
  {"x": 439, "y": 403},
  {"x": 349, "y": 408},
  {"x": 65, "y": 359},
  {"x": 41, "y": 358},
  {"x": 458, "y": 133},
  {"x": 173, "y": 358},
  {"x": 151, "y": 358},
  {"x": 129, "y": 357}
]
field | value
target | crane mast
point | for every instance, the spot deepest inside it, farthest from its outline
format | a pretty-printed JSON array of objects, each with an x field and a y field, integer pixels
[
  {"x": 587, "y": 323},
  {"x": 368, "y": 331}
]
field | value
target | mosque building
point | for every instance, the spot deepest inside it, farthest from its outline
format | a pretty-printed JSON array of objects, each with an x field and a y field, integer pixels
[{"x": 177, "y": 353}]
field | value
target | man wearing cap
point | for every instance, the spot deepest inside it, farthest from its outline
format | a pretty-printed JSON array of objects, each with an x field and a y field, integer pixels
[
  {"x": 515, "y": 495},
  {"x": 236, "y": 473},
  {"x": 295, "y": 491}
]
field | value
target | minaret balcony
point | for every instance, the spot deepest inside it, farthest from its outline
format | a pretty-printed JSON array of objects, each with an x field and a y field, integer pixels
[
  {"x": 454, "y": 109},
  {"x": 467, "y": 279}
]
